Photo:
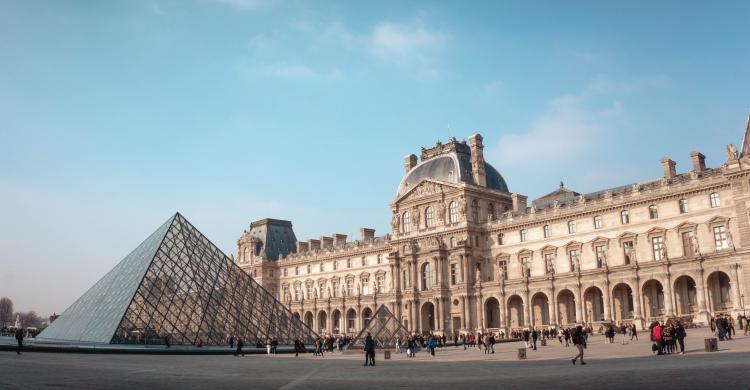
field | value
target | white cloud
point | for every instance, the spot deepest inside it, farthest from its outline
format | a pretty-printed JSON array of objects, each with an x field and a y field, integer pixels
[
  {"x": 569, "y": 127},
  {"x": 285, "y": 71},
  {"x": 404, "y": 43},
  {"x": 247, "y": 5}
]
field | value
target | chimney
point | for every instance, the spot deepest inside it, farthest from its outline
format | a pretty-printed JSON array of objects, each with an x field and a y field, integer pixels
[
  {"x": 326, "y": 242},
  {"x": 313, "y": 244},
  {"x": 367, "y": 234},
  {"x": 699, "y": 161},
  {"x": 669, "y": 167},
  {"x": 410, "y": 162},
  {"x": 519, "y": 203},
  {"x": 477, "y": 160},
  {"x": 339, "y": 240},
  {"x": 302, "y": 247}
]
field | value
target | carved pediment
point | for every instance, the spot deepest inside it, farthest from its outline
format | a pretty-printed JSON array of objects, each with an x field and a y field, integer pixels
[
  {"x": 573, "y": 245},
  {"x": 717, "y": 220},
  {"x": 600, "y": 241},
  {"x": 548, "y": 248},
  {"x": 686, "y": 226},
  {"x": 654, "y": 231},
  {"x": 422, "y": 190}
]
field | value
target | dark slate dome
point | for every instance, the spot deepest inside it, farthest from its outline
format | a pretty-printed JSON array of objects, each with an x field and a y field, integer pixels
[{"x": 452, "y": 168}]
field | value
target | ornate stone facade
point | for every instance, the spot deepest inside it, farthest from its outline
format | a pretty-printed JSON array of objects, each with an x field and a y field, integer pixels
[{"x": 465, "y": 254}]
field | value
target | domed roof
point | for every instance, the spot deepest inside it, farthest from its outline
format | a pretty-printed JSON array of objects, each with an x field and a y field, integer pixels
[{"x": 452, "y": 168}]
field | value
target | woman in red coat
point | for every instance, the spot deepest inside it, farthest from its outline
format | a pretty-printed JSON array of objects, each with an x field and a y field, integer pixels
[{"x": 656, "y": 337}]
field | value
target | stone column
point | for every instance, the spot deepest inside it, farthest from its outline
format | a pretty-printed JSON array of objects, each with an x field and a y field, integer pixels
[
  {"x": 439, "y": 270},
  {"x": 417, "y": 315},
  {"x": 463, "y": 312},
  {"x": 668, "y": 299},
  {"x": 736, "y": 301},
  {"x": 503, "y": 322},
  {"x": 467, "y": 313},
  {"x": 553, "y": 309},
  {"x": 637, "y": 312},
  {"x": 438, "y": 315},
  {"x": 607, "y": 302},
  {"x": 579, "y": 306},
  {"x": 480, "y": 312},
  {"x": 700, "y": 293},
  {"x": 527, "y": 311}
]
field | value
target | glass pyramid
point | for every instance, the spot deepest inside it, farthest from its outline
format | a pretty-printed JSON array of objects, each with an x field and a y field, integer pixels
[
  {"x": 384, "y": 327},
  {"x": 177, "y": 284}
]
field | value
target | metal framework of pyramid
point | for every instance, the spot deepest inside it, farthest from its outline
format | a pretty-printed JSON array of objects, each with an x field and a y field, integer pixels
[
  {"x": 383, "y": 327},
  {"x": 177, "y": 284}
]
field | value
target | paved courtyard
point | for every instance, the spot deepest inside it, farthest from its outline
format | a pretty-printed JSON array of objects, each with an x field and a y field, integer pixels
[{"x": 610, "y": 365}]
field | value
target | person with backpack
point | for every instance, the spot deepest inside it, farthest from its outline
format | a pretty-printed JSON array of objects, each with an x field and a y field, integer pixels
[{"x": 579, "y": 340}]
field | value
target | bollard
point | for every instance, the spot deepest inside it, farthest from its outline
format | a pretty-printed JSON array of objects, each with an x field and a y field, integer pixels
[
  {"x": 521, "y": 353},
  {"x": 711, "y": 345},
  {"x": 387, "y": 355}
]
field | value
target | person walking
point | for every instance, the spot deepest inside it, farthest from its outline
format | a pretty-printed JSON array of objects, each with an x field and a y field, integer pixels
[
  {"x": 534, "y": 336},
  {"x": 240, "y": 344},
  {"x": 431, "y": 343},
  {"x": 398, "y": 344},
  {"x": 268, "y": 346},
  {"x": 633, "y": 332},
  {"x": 166, "y": 341},
  {"x": 231, "y": 342},
  {"x": 19, "y": 340},
  {"x": 369, "y": 350},
  {"x": 579, "y": 340}
]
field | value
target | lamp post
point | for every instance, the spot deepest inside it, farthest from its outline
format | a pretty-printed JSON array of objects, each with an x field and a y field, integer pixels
[{"x": 742, "y": 302}]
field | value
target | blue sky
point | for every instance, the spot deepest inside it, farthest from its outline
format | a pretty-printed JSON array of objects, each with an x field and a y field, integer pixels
[{"x": 114, "y": 115}]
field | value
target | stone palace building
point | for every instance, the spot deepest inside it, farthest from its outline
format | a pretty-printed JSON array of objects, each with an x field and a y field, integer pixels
[{"x": 467, "y": 254}]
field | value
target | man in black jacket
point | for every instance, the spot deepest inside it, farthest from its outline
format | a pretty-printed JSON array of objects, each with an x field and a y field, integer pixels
[
  {"x": 579, "y": 340},
  {"x": 19, "y": 339},
  {"x": 369, "y": 350}
]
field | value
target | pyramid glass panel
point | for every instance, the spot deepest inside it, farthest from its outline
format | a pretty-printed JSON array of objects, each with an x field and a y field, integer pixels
[
  {"x": 384, "y": 328},
  {"x": 177, "y": 284}
]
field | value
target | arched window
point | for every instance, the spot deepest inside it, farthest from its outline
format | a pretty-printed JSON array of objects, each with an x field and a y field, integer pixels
[
  {"x": 491, "y": 212},
  {"x": 453, "y": 242},
  {"x": 546, "y": 231},
  {"x": 683, "y": 206},
  {"x": 429, "y": 217},
  {"x": 475, "y": 211},
  {"x": 453, "y": 212},
  {"x": 715, "y": 199},
  {"x": 624, "y": 217},
  {"x": 653, "y": 212},
  {"x": 405, "y": 226},
  {"x": 426, "y": 276}
]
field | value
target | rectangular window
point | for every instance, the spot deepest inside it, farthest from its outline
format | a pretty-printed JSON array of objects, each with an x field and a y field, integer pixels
[
  {"x": 628, "y": 250},
  {"x": 546, "y": 231},
  {"x": 364, "y": 261},
  {"x": 600, "y": 256},
  {"x": 285, "y": 271},
  {"x": 598, "y": 223},
  {"x": 335, "y": 289},
  {"x": 523, "y": 235},
  {"x": 349, "y": 287},
  {"x": 503, "y": 270},
  {"x": 365, "y": 283},
  {"x": 525, "y": 266},
  {"x": 335, "y": 265},
  {"x": 624, "y": 217},
  {"x": 454, "y": 273},
  {"x": 404, "y": 280},
  {"x": 571, "y": 227},
  {"x": 500, "y": 239},
  {"x": 309, "y": 291},
  {"x": 720, "y": 238},
  {"x": 687, "y": 244},
  {"x": 657, "y": 246},
  {"x": 381, "y": 283},
  {"x": 322, "y": 290}
]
